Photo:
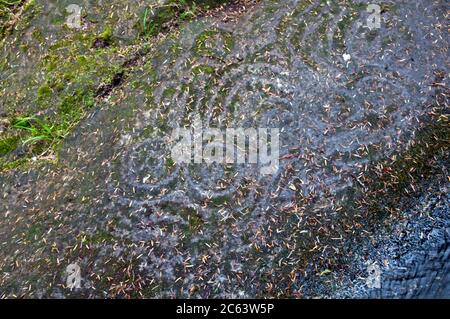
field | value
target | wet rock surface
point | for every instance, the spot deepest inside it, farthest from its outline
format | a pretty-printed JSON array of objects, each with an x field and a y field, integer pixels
[
  {"x": 363, "y": 116},
  {"x": 412, "y": 257}
]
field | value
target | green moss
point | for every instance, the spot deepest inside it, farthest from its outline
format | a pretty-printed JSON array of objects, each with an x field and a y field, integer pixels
[
  {"x": 7, "y": 5},
  {"x": 172, "y": 13},
  {"x": 155, "y": 25},
  {"x": 220, "y": 201},
  {"x": 100, "y": 237},
  {"x": 34, "y": 232},
  {"x": 170, "y": 163},
  {"x": 70, "y": 83},
  {"x": 107, "y": 34},
  {"x": 37, "y": 35},
  {"x": 75, "y": 103},
  {"x": 72, "y": 71},
  {"x": 343, "y": 25},
  {"x": 204, "y": 47},
  {"x": 10, "y": 165},
  {"x": 203, "y": 69},
  {"x": 162, "y": 124},
  {"x": 44, "y": 91},
  {"x": 195, "y": 223},
  {"x": 8, "y": 145},
  {"x": 30, "y": 11},
  {"x": 7, "y": 9},
  {"x": 169, "y": 92},
  {"x": 232, "y": 108}
]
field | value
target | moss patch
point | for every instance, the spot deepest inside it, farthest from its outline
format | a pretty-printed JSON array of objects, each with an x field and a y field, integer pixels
[{"x": 160, "y": 18}]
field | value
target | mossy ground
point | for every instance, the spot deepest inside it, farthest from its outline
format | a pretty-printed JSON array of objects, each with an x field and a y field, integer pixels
[
  {"x": 7, "y": 9},
  {"x": 174, "y": 12},
  {"x": 76, "y": 71}
]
